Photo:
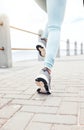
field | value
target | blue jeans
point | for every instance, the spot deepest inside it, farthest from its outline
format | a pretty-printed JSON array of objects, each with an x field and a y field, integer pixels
[{"x": 55, "y": 11}]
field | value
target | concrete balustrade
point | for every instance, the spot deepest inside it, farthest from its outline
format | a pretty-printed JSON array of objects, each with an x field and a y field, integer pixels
[{"x": 5, "y": 42}]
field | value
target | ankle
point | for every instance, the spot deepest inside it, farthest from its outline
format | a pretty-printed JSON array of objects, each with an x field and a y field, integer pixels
[
  {"x": 48, "y": 70},
  {"x": 44, "y": 39}
]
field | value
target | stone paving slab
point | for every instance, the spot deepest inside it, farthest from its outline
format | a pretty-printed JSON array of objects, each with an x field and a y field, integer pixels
[
  {"x": 81, "y": 116},
  {"x": 2, "y": 121},
  {"x": 17, "y": 96},
  {"x": 18, "y": 121},
  {"x": 53, "y": 101},
  {"x": 4, "y": 102},
  {"x": 40, "y": 109},
  {"x": 21, "y": 108},
  {"x": 39, "y": 126},
  {"x": 81, "y": 105},
  {"x": 8, "y": 111},
  {"x": 56, "y": 119},
  {"x": 70, "y": 108},
  {"x": 27, "y": 102},
  {"x": 67, "y": 127}
]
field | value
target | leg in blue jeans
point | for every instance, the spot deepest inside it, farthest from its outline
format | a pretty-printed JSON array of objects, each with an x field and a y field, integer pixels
[
  {"x": 55, "y": 10},
  {"x": 45, "y": 32}
]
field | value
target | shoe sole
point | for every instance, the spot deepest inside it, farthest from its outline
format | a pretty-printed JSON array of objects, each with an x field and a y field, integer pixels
[
  {"x": 42, "y": 52},
  {"x": 40, "y": 92},
  {"x": 43, "y": 84}
]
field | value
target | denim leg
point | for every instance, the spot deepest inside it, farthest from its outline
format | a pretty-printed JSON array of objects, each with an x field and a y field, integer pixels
[
  {"x": 45, "y": 32},
  {"x": 55, "y": 10}
]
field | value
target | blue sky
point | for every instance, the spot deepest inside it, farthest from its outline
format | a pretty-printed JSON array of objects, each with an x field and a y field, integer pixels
[{"x": 27, "y": 15}]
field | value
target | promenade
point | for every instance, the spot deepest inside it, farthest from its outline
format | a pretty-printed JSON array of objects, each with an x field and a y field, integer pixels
[{"x": 21, "y": 108}]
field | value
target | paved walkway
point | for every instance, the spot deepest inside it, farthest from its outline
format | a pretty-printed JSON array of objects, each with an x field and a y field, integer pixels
[{"x": 21, "y": 108}]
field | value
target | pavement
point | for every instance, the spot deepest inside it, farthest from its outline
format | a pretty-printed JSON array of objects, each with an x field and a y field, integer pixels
[{"x": 21, "y": 108}]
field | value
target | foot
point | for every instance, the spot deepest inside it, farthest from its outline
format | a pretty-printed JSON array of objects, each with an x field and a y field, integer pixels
[
  {"x": 43, "y": 81},
  {"x": 41, "y": 50},
  {"x": 41, "y": 47}
]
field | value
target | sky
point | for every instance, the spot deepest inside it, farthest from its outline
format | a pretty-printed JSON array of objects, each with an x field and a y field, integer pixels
[{"x": 26, "y": 14}]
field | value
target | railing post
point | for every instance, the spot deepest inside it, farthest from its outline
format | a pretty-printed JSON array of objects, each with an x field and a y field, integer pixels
[
  {"x": 75, "y": 48},
  {"x": 58, "y": 52},
  {"x": 81, "y": 48},
  {"x": 68, "y": 48},
  {"x": 5, "y": 42}
]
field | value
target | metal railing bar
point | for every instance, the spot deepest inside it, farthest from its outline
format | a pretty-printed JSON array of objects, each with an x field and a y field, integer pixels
[
  {"x": 24, "y": 30},
  {"x": 1, "y": 23},
  {"x": 2, "y": 49},
  {"x": 23, "y": 49},
  {"x": 19, "y": 49}
]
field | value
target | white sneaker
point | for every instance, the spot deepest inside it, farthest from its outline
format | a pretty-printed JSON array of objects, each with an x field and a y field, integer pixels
[
  {"x": 43, "y": 80},
  {"x": 41, "y": 47}
]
